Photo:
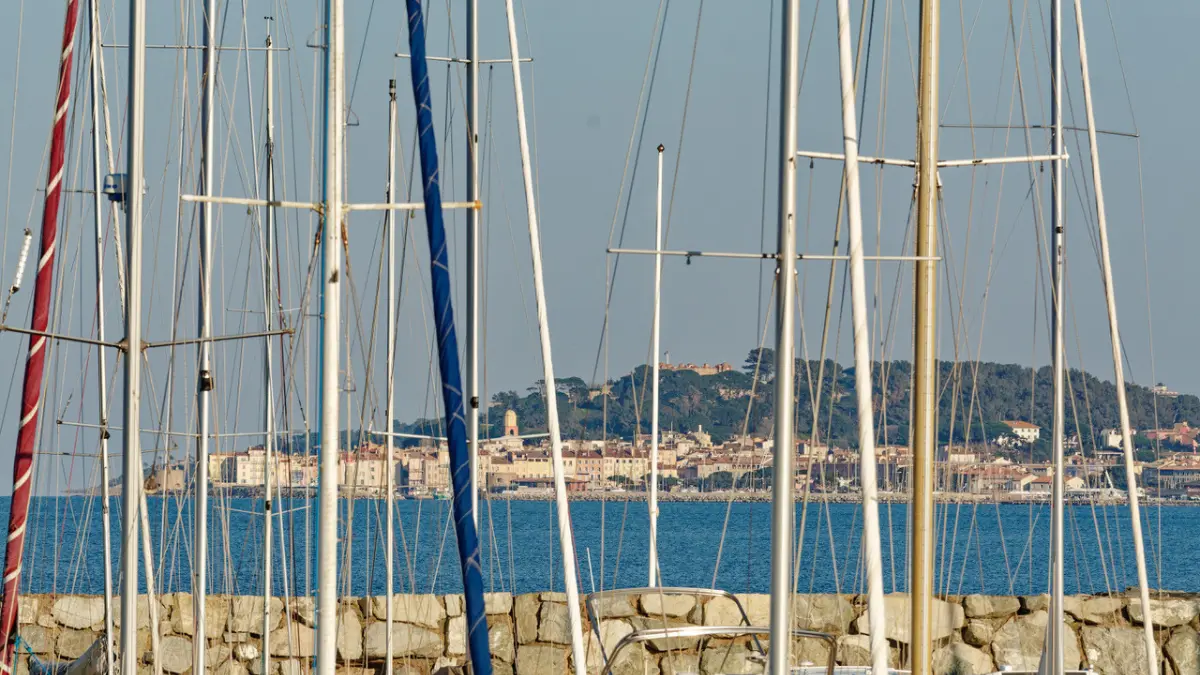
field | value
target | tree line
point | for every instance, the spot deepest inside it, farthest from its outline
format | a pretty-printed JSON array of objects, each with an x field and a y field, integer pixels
[{"x": 975, "y": 398}]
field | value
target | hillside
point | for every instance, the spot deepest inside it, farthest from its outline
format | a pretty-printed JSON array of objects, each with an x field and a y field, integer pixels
[{"x": 720, "y": 402}]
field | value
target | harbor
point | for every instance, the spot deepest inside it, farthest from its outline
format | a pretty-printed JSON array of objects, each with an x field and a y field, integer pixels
[{"x": 340, "y": 338}]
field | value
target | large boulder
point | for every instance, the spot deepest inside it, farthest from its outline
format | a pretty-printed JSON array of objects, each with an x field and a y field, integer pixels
[
  {"x": 730, "y": 659},
  {"x": 634, "y": 659},
  {"x": 246, "y": 613},
  {"x": 722, "y": 611},
  {"x": 349, "y": 635},
  {"x": 500, "y": 639},
  {"x": 667, "y": 605},
  {"x": 823, "y": 613},
  {"x": 407, "y": 640},
  {"x": 612, "y": 607},
  {"x": 1032, "y": 603},
  {"x": 809, "y": 651},
  {"x": 1113, "y": 651},
  {"x": 1183, "y": 649},
  {"x": 298, "y": 641},
  {"x": 673, "y": 644},
  {"x": 421, "y": 610},
  {"x": 1101, "y": 609},
  {"x": 497, "y": 603},
  {"x": 39, "y": 638},
  {"x": 236, "y": 668},
  {"x": 554, "y": 625},
  {"x": 1018, "y": 643},
  {"x": 990, "y": 606},
  {"x": 541, "y": 660},
  {"x": 143, "y": 612},
  {"x": 854, "y": 650},
  {"x": 216, "y": 655},
  {"x": 216, "y": 615},
  {"x": 175, "y": 654},
  {"x": 947, "y": 618},
  {"x": 75, "y": 611},
  {"x": 679, "y": 664},
  {"x": 27, "y": 609},
  {"x": 305, "y": 610},
  {"x": 1165, "y": 612},
  {"x": 978, "y": 633},
  {"x": 758, "y": 607},
  {"x": 73, "y": 643},
  {"x": 600, "y": 648},
  {"x": 456, "y": 635},
  {"x": 246, "y": 652},
  {"x": 525, "y": 610},
  {"x": 961, "y": 659}
]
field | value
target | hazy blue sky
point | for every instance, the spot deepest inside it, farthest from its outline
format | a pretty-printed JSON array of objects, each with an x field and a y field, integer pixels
[{"x": 584, "y": 84}]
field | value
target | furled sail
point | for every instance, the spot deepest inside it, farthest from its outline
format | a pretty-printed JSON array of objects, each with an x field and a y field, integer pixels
[
  {"x": 443, "y": 311},
  {"x": 35, "y": 362}
]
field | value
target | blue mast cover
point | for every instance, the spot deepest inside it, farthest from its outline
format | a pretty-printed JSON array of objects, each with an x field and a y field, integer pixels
[{"x": 443, "y": 310}]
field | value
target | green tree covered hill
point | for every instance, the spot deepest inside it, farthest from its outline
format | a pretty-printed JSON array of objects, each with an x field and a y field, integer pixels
[{"x": 726, "y": 403}]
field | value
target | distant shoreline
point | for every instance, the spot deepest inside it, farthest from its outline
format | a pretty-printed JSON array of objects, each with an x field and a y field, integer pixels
[{"x": 694, "y": 497}]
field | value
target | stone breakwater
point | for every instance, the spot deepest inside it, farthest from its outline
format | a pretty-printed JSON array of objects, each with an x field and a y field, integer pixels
[{"x": 530, "y": 635}]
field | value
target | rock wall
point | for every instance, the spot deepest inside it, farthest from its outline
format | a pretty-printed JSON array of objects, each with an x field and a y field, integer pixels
[{"x": 530, "y": 633}]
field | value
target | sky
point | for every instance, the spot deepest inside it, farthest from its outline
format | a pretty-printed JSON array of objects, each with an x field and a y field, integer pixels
[{"x": 712, "y": 103}]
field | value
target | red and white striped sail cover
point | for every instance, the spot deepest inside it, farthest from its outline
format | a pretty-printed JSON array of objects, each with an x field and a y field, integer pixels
[{"x": 31, "y": 392}]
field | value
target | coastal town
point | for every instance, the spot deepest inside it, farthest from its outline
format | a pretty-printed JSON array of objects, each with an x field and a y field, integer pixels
[{"x": 691, "y": 463}]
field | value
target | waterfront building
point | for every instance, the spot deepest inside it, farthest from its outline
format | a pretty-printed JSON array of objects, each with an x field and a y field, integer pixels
[{"x": 1024, "y": 431}]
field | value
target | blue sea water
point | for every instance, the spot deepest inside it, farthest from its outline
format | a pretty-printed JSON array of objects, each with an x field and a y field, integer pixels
[{"x": 987, "y": 548}]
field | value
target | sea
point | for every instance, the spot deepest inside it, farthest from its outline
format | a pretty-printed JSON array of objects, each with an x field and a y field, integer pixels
[{"x": 981, "y": 548}]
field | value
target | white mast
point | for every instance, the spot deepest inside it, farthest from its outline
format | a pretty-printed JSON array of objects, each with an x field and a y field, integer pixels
[
  {"x": 1135, "y": 514},
  {"x": 924, "y": 388},
  {"x": 131, "y": 479},
  {"x": 97, "y": 86},
  {"x": 148, "y": 568},
  {"x": 101, "y": 356},
  {"x": 872, "y": 553},
  {"x": 474, "y": 246},
  {"x": 1054, "y": 645},
  {"x": 566, "y": 538},
  {"x": 783, "y": 509},
  {"x": 331, "y": 271},
  {"x": 204, "y": 384},
  {"x": 268, "y": 358},
  {"x": 390, "y": 412},
  {"x": 655, "y": 577}
]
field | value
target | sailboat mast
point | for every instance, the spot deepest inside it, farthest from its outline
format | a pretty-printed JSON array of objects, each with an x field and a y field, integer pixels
[
  {"x": 390, "y": 412},
  {"x": 652, "y": 501},
  {"x": 447, "y": 342},
  {"x": 204, "y": 383},
  {"x": 35, "y": 363},
  {"x": 872, "y": 556},
  {"x": 268, "y": 358},
  {"x": 1135, "y": 515},
  {"x": 132, "y": 477},
  {"x": 565, "y": 536},
  {"x": 783, "y": 502},
  {"x": 327, "y": 490},
  {"x": 474, "y": 246},
  {"x": 1054, "y": 645},
  {"x": 101, "y": 355},
  {"x": 924, "y": 388}
]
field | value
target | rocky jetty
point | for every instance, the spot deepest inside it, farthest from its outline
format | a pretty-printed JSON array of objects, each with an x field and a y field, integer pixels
[{"x": 530, "y": 633}]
